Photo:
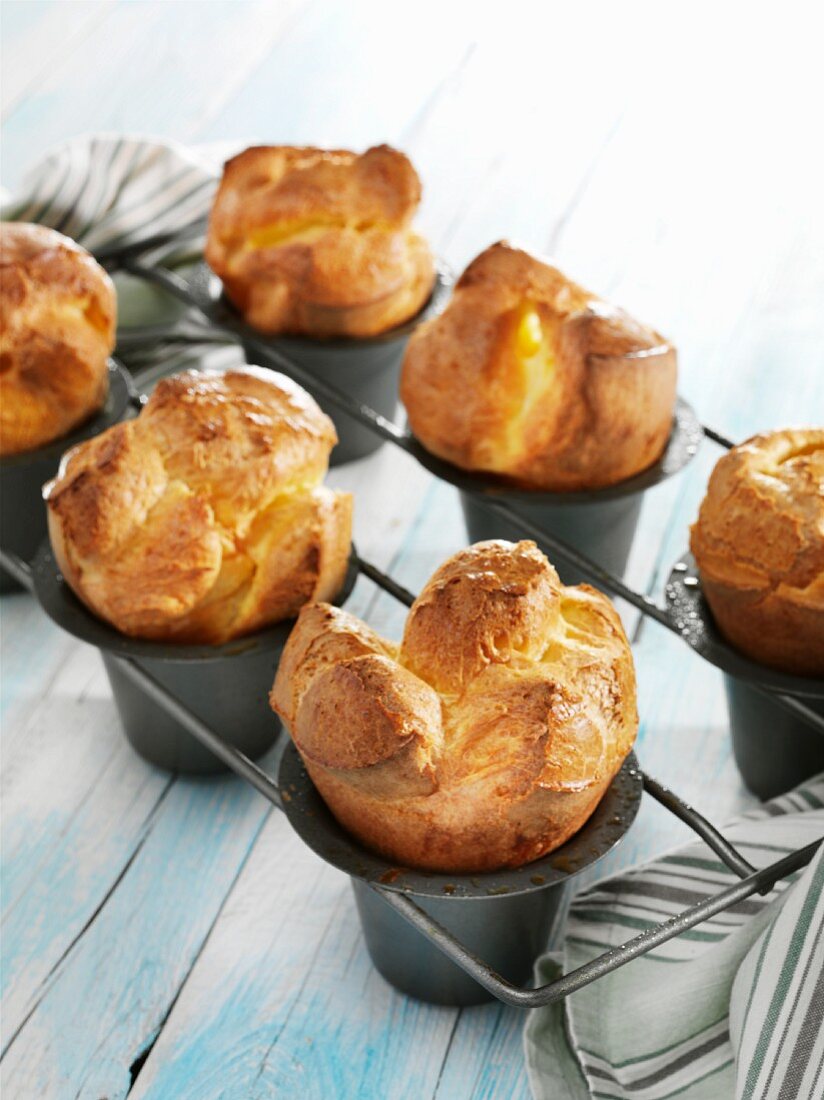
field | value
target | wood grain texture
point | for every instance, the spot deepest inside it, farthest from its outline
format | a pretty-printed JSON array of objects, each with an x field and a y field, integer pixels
[{"x": 173, "y": 939}]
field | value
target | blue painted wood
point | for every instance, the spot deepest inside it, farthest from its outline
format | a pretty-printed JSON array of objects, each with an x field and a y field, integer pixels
[
  {"x": 97, "y": 1011},
  {"x": 635, "y": 166}
]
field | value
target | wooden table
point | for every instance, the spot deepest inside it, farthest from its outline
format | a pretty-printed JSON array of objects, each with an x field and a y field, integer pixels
[{"x": 166, "y": 937}]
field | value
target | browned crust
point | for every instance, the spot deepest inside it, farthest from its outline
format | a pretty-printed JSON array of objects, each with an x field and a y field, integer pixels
[
  {"x": 485, "y": 740},
  {"x": 759, "y": 547},
  {"x": 589, "y": 405},
  {"x": 319, "y": 242},
  {"x": 57, "y": 329},
  {"x": 205, "y": 518}
]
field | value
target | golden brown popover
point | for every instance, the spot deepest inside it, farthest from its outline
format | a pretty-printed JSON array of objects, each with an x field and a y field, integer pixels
[
  {"x": 489, "y": 736},
  {"x": 759, "y": 547},
  {"x": 319, "y": 243},
  {"x": 206, "y": 517},
  {"x": 528, "y": 376},
  {"x": 57, "y": 330}
]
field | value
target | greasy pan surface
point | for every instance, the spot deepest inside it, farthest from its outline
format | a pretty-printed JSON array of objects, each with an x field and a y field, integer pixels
[{"x": 315, "y": 825}]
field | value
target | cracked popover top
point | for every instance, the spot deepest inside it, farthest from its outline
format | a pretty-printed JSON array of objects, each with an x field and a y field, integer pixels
[
  {"x": 318, "y": 242},
  {"x": 527, "y": 376},
  {"x": 488, "y": 737},
  {"x": 759, "y": 547},
  {"x": 206, "y": 517}
]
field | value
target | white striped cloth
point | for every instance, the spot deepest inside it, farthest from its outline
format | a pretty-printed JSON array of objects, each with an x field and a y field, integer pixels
[
  {"x": 108, "y": 192},
  {"x": 733, "y": 1008}
]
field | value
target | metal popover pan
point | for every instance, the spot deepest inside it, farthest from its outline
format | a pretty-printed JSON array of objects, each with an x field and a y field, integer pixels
[
  {"x": 505, "y": 917},
  {"x": 366, "y": 369},
  {"x": 774, "y": 750},
  {"x": 600, "y": 523},
  {"x": 226, "y": 686}
]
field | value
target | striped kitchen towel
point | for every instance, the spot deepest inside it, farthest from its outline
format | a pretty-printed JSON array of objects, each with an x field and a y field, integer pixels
[
  {"x": 109, "y": 192},
  {"x": 733, "y": 1008}
]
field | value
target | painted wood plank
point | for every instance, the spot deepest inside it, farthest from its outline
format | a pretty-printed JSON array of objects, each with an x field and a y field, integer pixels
[
  {"x": 36, "y": 39},
  {"x": 350, "y": 75},
  {"x": 623, "y": 236},
  {"x": 294, "y": 974},
  {"x": 148, "y": 68},
  {"x": 129, "y": 964}
]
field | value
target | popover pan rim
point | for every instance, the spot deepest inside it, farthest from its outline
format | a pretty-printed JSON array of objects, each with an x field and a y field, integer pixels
[
  {"x": 63, "y": 607},
  {"x": 316, "y": 826},
  {"x": 691, "y": 615},
  {"x": 207, "y": 289},
  {"x": 682, "y": 446}
]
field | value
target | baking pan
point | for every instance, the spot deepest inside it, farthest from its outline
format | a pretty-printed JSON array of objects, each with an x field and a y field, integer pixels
[
  {"x": 506, "y": 917},
  {"x": 367, "y": 370},
  {"x": 600, "y": 523},
  {"x": 226, "y": 686},
  {"x": 22, "y": 476},
  {"x": 774, "y": 749},
  {"x": 397, "y": 887}
]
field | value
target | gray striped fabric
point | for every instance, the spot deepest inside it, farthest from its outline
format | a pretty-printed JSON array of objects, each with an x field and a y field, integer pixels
[
  {"x": 732, "y": 1008},
  {"x": 109, "y": 191}
]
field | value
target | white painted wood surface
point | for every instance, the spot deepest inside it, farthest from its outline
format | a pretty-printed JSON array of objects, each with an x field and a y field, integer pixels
[{"x": 669, "y": 160}]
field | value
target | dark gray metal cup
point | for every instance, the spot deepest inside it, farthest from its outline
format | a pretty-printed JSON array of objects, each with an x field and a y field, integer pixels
[
  {"x": 366, "y": 370},
  {"x": 226, "y": 686},
  {"x": 600, "y": 523},
  {"x": 506, "y": 918},
  {"x": 603, "y": 530},
  {"x": 22, "y": 477},
  {"x": 230, "y": 694},
  {"x": 774, "y": 749},
  {"x": 508, "y": 933}
]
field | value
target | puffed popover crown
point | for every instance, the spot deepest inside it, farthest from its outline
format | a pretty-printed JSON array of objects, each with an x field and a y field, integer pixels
[
  {"x": 319, "y": 242},
  {"x": 528, "y": 376},
  {"x": 57, "y": 330},
  {"x": 488, "y": 737},
  {"x": 206, "y": 517},
  {"x": 759, "y": 547}
]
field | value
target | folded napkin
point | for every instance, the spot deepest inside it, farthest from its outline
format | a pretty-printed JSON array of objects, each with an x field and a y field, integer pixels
[
  {"x": 731, "y": 1008},
  {"x": 110, "y": 192}
]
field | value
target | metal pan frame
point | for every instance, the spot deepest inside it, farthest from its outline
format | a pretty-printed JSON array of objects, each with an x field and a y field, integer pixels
[
  {"x": 752, "y": 881},
  {"x": 685, "y": 433}
]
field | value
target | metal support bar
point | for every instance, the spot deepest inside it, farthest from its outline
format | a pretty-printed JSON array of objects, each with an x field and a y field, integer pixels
[
  {"x": 383, "y": 427},
  {"x": 752, "y": 882},
  {"x": 716, "y": 437},
  {"x": 237, "y": 761},
  {"x": 758, "y": 882},
  {"x": 382, "y": 580},
  {"x": 391, "y": 432},
  {"x": 17, "y": 568},
  {"x": 580, "y": 561},
  {"x": 617, "y": 587},
  {"x": 699, "y": 824}
]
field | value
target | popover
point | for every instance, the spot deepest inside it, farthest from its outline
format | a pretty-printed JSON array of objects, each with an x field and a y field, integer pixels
[
  {"x": 204, "y": 518},
  {"x": 528, "y": 376},
  {"x": 57, "y": 330},
  {"x": 488, "y": 737},
  {"x": 319, "y": 242},
  {"x": 759, "y": 547}
]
